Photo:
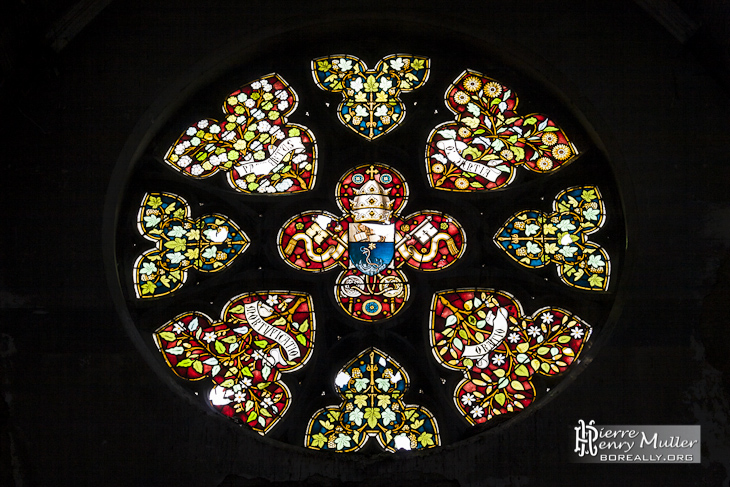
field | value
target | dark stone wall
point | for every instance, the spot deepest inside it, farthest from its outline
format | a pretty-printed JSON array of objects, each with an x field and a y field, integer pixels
[{"x": 81, "y": 406}]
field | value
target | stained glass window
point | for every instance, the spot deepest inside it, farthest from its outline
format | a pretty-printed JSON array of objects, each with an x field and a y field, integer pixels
[{"x": 322, "y": 292}]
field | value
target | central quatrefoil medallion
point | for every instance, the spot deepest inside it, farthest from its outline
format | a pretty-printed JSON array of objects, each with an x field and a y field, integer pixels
[{"x": 371, "y": 241}]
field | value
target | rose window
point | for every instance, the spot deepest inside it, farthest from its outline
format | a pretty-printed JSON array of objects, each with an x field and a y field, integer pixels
[{"x": 294, "y": 294}]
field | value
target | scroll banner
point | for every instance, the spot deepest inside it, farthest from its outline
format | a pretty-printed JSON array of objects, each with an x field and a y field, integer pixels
[
  {"x": 291, "y": 144},
  {"x": 499, "y": 331},
  {"x": 282, "y": 338},
  {"x": 448, "y": 146}
]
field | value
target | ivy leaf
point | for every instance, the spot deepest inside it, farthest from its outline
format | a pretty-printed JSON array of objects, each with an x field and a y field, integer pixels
[
  {"x": 588, "y": 195},
  {"x": 361, "y": 384},
  {"x": 149, "y": 287},
  {"x": 595, "y": 281},
  {"x": 177, "y": 245},
  {"x": 319, "y": 440},
  {"x": 372, "y": 415},
  {"x": 426, "y": 439},
  {"x": 342, "y": 441},
  {"x": 371, "y": 85}
]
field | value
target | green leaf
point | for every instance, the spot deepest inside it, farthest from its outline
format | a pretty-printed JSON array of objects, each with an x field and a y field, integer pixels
[
  {"x": 471, "y": 151},
  {"x": 185, "y": 363},
  {"x": 252, "y": 416},
  {"x": 500, "y": 398},
  {"x": 302, "y": 339},
  {"x": 247, "y": 372},
  {"x": 198, "y": 366},
  {"x": 261, "y": 343},
  {"x": 167, "y": 336},
  {"x": 219, "y": 347},
  {"x": 304, "y": 326}
]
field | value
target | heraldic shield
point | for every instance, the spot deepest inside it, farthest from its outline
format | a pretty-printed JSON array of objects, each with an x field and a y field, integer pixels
[{"x": 371, "y": 247}]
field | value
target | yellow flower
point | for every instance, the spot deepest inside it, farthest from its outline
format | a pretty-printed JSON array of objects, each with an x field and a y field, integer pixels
[
  {"x": 544, "y": 164},
  {"x": 493, "y": 89},
  {"x": 561, "y": 152},
  {"x": 461, "y": 183},
  {"x": 472, "y": 83},
  {"x": 461, "y": 98},
  {"x": 464, "y": 132},
  {"x": 437, "y": 168},
  {"x": 549, "y": 138},
  {"x": 507, "y": 155}
]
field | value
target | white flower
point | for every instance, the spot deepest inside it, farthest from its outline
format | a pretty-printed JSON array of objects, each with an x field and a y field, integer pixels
[
  {"x": 191, "y": 131},
  {"x": 257, "y": 114},
  {"x": 209, "y": 337},
  {"x": 281, "y": 94},
  {"x": 250, "y": 103},
  {"x": 196, "y": 170},
  {"x": 242, "y": 97},
  {"x": 283, "y": 105},
  {"x": 299, "y": 158},
  {"x": 266, "y": 402},
  {"x": 498, "y": 359},
  {"x": 356, "y": 84},
  {"x": 467, "y": 399},
  {"x": 258, "y": 354},
  {"x": 547, "y": 318},
  {"x": 267, "y": 86},
  {"x": 246, "y": 382},
  {"x": 513, "y": 337},
  {"x": 184, "y": 161},
  {"x": 577, "y": 333},
  {"x": 342, "y": 379},
  {"x": 228, "y": 135},
  {"x": 264, "y": 126},
  {"x": 533, "y": 331},
  {"x": 402, "y": 442},
  {"x": 256, "y": 85},
  {"x": 272, "y": 300},
  {"x": 178, "y": 327},
  {"x": 214, "y": 129},
  {"x": 239, "y": 397},
  {"x": 179, "y": 149},
  {"x": 202, "y": 124},
  {"x": 284, "y": 185},
  {"x": 477, "y": 412}
]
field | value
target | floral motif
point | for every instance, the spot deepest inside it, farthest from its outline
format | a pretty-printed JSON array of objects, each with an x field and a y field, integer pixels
[
  {"x": 371, "y": 103},
  {"x": 254, "y": 144},
  {"x": 372, "y": 387},
  {"x": 371, "y": 242},
  {"x": 485, "y": 334},
  {"x": 244, "y": 353},
  {"x": 209, "y": 243},
  {"x": 535, "y": 239},
  {"x": 481, "y": 150}
]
